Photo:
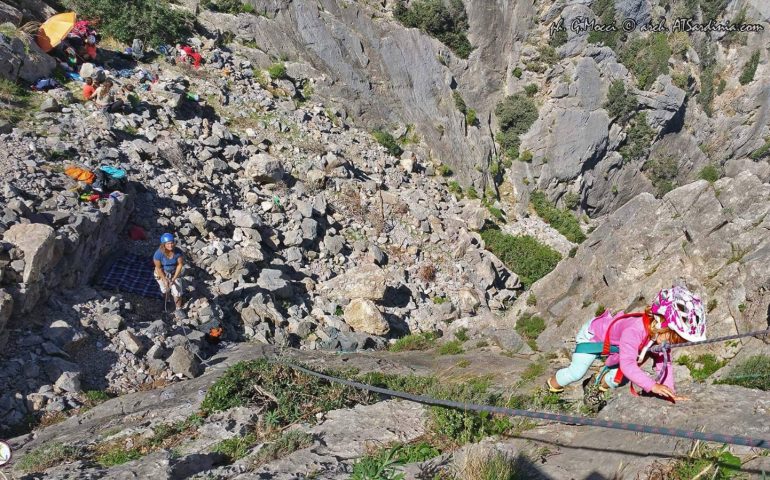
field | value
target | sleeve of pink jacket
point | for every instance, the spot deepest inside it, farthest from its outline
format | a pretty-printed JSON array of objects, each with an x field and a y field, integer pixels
[{"x": 630, "y": 340}]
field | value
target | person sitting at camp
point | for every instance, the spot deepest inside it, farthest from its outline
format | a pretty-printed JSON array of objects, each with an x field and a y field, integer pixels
[
  {"x": 88, "y": 88},
  {"x": 137, "y": 49},
  {"x": 169, "y": 261},
  {"x": 91, "y": 52},
  {"x": 105, "y": 98}
]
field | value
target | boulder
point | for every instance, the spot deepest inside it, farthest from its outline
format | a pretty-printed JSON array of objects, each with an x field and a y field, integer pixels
[
  {"x": 183, "y": 362},
  {"x": 37, "y": 241},
  {"x": 24, "y": 60},
  {"x": 69, "y": 382},
  {"x": 228, "y": 264},
  {"x": 272, "y": 280},
  {"x": 110, "y": 322},
  {"x": 363, "y": 316},
  {"x": 9, "y": 14},
  {"x": 366, "y": 281},
  {"x": 132, "y": 343},
  {"x": 264, "y": 168}
]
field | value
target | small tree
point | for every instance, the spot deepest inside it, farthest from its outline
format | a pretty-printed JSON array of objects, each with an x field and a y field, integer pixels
[
  {"x": 620, "y": 103},
  {"x": 749, "y": 69}
]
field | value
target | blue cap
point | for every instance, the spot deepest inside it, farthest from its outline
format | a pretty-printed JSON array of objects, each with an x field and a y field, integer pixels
[{"x": 166, "y": 237}]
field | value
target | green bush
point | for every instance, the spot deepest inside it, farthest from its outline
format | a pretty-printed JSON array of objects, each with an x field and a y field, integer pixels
[
  {"x": 471, "y": 118},
  {"x": 236, "y": 448},
  {"x": 277, "y": 71},
  {"x": 710, "y": 173},
  {"x": 446, "y": 22},
  {"x": 153, "y": 21},
  {"x": 118, "y": 455},
  {"x": 515, "y": 115},
  {"x": 287, "y": 443},
  {"x": 562, "y": 220},
  {"x": 761, "y": 152},
  {"x": 462, "y": 334},
  {"x": 712, "y": 9},
  {"x": 47, "y": 456},
  {"x": 647, "y": 57},
  {"x": 558, "y": 38},
  {"x": 571, "y": 200},
  {"x": 605, "y": 13},
  {"x": 297, "y": 395},
  {"x": 454, "y": 187},
  {"x": 620, "y": 103},
  {"x": 459, "y": 102},
  {"x": 754, "y": 372},
  {"x": 638, "y": 138},
  {"x": 386, "y": 140},
  {"x": 662, "y": 173},
  {"x": 530, "y": 327},
  {"x": 706, "y": 95},
  {"x": 233, "y": 7},
  {"x": 415, "y": 341},
  {"x": 525, "y": 255},
  {"x": 702, "y": 366},
  {"x": 472, "y": 193},
  {"x": 517, "y": 72},
  {"x": 530, "y": 89},
  {"x": 747, "y": 75},
  {"x": 381, "y": 465},
  {"x": 526, "y": 156},
  {"x": 445, "y": 170},
  {"x": 453, "y": 347}
]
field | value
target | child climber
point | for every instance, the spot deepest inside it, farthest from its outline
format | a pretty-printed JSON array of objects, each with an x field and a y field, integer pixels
[{"x": 675, "y": 316}]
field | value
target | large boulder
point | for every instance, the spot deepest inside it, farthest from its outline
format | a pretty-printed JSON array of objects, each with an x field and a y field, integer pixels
[
  {"x": 366, "y": 281},
  {"x": 363, "y": 316},
  {"x": 9, "y": 14},
  {"x": 264, "y": 168},
  {"x": 229, "y": 264},
  {"x": 665, "y": 102},
  {"x": 183, "y": 362},
  {"x": 37, "y": 241},
  {"x": 23, "y": 59}
]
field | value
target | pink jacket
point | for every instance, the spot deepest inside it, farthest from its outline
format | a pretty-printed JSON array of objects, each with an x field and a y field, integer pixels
[{"x": 630, "y": 336}]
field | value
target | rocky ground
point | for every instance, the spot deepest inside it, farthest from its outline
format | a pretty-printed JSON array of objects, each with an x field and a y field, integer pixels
[{"x": 302, "y": 234}]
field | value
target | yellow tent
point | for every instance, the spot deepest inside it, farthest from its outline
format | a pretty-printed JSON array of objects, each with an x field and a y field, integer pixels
[{"x": 53, "y": 31}]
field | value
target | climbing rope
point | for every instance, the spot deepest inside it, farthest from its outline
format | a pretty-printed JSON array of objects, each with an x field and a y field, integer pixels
[
  {"x": 668, "y": 346},
  {"x": 557, "y": 417}
]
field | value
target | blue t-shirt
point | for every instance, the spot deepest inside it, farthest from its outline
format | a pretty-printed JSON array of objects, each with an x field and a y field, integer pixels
[{"x": 168, "y": 264}]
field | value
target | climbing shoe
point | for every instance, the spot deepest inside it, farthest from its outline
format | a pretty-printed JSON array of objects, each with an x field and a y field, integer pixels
[
  {"x": 551, "y": 388},
  {"x": 593, "y": 395}
]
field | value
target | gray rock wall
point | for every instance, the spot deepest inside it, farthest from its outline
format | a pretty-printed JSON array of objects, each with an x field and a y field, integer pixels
[{"x": 38, "y": 258}]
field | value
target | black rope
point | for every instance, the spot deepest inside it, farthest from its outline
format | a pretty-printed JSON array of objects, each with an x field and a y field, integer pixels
[{"x": 557, "y": 417}]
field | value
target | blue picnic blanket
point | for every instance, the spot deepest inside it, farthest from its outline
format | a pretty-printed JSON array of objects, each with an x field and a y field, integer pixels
[{"x": 132, "y": 274}]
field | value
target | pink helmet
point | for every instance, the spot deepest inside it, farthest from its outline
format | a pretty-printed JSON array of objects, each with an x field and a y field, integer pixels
[{"x": 682, "y": 312}]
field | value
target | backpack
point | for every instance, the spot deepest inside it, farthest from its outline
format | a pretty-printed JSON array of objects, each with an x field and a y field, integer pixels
[
  {"x": 109, "y": 179},
  {"x": 80, "y": 174}
]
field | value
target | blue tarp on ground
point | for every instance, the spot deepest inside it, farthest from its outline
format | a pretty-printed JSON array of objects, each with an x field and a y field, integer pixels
[{"x": 132, "y": 274}]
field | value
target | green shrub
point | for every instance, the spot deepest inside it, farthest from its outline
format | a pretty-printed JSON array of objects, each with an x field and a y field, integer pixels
[
  {"x": 446, "y": 22},
  {"x": 471, "y": 118},
  {"x": 462, "y": 334},
  {"x": 445, "y": 170},
  {"x": 571, "y": 200},
  {"x": 235, "y": 448},
  {"x": 605, "y": 13},
  {"x": 712, "y": 9},
  {"x": 153, "y": 21},
  {"x": 620, "y": 103},
  {"x": 386, "y": 140},
  {"x": 233, "y": 7},
  {"x": 298, "y": 395},
  {"x": 681, "y": 79},
  {"x": 515, "y": 115},
  {"x": 754, "y": 372},
  {"x": 287, "y": 443},
  {"x": 381, "y": 465},
  {"x": 530, "y": 89},
  {"x": 531, "y": 300},
  {"x": 459, "y": 102},
  {"x": 647, "y": 57},
  {"x": 710, "y": 173},
  {"x": 558, "y": 38},
  {"x": 703, "y": 458},
  {"x": 526, "y": 156},
  {"x": 562, "y": 220},
  {"x": 454, "y": 187},
  {"x": 48, "y": 456},
  {"x": 706, "y": 95},
  {"x": 517, "y": 72},
  {"x": 525, "y": 255},
  {"x": 761, "y": 152},
  {"x": 747, "y": 75},
  {"x": 277, "y": 71},
  {"x": 638, "y": 138},
  {"x": 472, "y": 193},
  {"x": 415, "y": 341},
  {"x": 453, "y": 347},
  {"x": 662, "y": 173},
  {"x": 482, "y": 463},
  {"x": 530, "y": 327},
  {"x": 118, "y": 455},
  {"x": 702, "y": 366}
]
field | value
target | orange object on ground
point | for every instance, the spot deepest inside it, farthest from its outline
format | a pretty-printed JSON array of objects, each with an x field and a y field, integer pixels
[
  {"x": 80, "y": 174},
  {"x": 54, "y": 30}
]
